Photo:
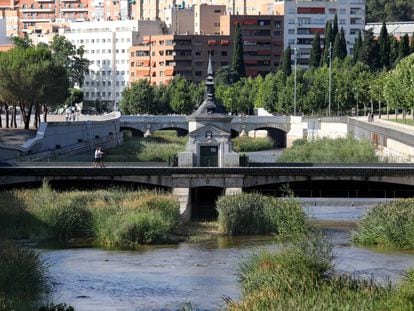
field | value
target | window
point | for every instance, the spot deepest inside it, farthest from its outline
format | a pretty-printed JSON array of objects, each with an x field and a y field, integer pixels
[
  {"x": 223, "y": 53},
  {"x": 291, "y": 31},
  {"x": 198, "y": 73},
  {"x": 92, "y": 83}
]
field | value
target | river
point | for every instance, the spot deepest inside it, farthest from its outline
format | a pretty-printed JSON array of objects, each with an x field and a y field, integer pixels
[{"x": 201, "y": 274}]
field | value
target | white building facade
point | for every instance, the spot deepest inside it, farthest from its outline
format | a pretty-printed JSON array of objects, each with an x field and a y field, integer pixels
[
  {"x": 397, "y": 29},
  {"x": 106, "y": 45},
  {"x": 303, "y": 19}
]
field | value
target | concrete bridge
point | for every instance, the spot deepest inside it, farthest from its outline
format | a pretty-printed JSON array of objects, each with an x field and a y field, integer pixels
[
  {"x": 185, "y": 181},
  {"x": 280, "y": 128}
]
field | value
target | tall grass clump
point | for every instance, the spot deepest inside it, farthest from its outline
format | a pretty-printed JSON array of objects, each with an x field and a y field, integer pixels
[
  {"x": 299, "y": 276},
  {"x": 253, "y": 213},
  {"x": 328, "y": 150},
  {"x": 388, "y": 224},
  {"x": 22, "y": 277},
  {"x": 142, "y": 218},
  {"x": 158, "y": 148},
  {"x": 246, "y": 144}
]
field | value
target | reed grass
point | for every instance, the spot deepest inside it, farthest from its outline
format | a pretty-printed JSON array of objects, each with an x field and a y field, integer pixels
[
  {"x": 158, "y": 148},
  {"x": 23, "y": 277},
  {"x": 300, "y": 276},
  {"x": 246, "y": 144},
  {"x": 116, "y": 217},
  {"x": 328, "y": 150},
  {"x": 253, "y": 213},
  {"x": 388, "y": 224}
]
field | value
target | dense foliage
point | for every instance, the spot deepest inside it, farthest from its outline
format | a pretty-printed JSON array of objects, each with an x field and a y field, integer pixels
[
  {"x": 389, "y": 224},
  {"x": 246, "y": 144},
  {"x": 36, "y": 79},
  {"x": 300, "y": 276},
  {"x": 328, "y": 150},
  {"x": 253, "y": 213},
  {"x": 389, "y": 10},
  {"x": 110, "y": 218}
]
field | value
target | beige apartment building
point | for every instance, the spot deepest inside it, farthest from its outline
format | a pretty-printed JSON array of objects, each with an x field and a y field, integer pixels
[{"x": 160, "y": 58}]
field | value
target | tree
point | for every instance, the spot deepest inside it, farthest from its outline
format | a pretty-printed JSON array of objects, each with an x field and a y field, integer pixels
[
  {"x": 182, "y": 100},
  {"x": 267, "y": 93},
  {"x": 384, "y": 47},
  {"x": 22, "y": 42},
  {"x": 138, "y": 98},
  {"x": 335, "y": 29},
  {"x": 386, "y": 10},
  {"x": 404, "y": 49},
  {"x": 238, "y": 58},
  {"x": 337, "y": 47},
  {"x": 329, "y": 39},
  {"x": 357, "y": 48},
  {"x": 315, "y": 53},
  {"x": 224, "y": 76},
  {"x": 394, "y": 51},
  {"x": 343, "y": 51},
  {"x": 286, "y": 66},
  {"x": 70, "y": 57},
  {"x": 369, "y": 51},
  {"x": 412, "y": 43}
]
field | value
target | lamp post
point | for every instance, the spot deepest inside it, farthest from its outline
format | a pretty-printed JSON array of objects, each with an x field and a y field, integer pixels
[
  {"x": 330, "y": 79},
  {"x": 295, "y": 58}
]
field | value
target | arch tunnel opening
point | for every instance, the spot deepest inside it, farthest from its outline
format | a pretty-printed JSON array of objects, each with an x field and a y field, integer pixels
[
  {"x": 203, "y": 202},
  {"x": 279, "y": 137}
]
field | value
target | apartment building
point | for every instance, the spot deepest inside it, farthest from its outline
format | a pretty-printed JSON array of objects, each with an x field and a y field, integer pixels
[
  {"x": 107, "y": 45},
  {"x": 303, "y": 19},
  {"x": 160, "y": 58},
  {"x": 5, "y": 42},
  {"x": 263, "y": 40}
]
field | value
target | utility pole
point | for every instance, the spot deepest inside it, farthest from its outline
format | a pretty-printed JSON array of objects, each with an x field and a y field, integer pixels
[
  {"x": 295, "y": 58},
  {"x": 330, "y": 79}
]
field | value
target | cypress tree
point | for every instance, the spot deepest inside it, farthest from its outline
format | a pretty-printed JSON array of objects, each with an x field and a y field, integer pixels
[
  {"x": 357, "y": 47},
  {"x": 238, "y": 59},
  {"x": 315, "y": 53},
  {"x": 328, "y": 39},
  {"x": 335, "y": 28},
  {"x": 404, "y": 47},
  {"x": 369, "y": 51},
  {"x": 384, "y": 47},
  {"x": 394, "y": 51},
  {"x": 412, "y": 44},
  {"x": 344, "y": 51},
  {"x": 287, "y": 62},
  {"x": 337, "y": 47}
]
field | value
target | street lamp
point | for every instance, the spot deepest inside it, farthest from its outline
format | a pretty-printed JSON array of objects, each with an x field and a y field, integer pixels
[
  {"x": 295, "y": 58},
  {"x": 330, "y": 78}
]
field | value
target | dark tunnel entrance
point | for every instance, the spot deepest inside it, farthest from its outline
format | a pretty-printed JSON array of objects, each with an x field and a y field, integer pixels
[
  {"x": 276, "y": 135},
  {"x": 203, "y": 202}
]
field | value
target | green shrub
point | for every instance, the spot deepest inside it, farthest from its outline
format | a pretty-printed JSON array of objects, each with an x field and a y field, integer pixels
[
  {"x": 299, "y": 276},
  {"x": 257, "y": 214},
  {"x": 246, "y": 144},
  {"x": 328, "y": 150},
  {"x": 390, "y": 224},
  {"x": 22, "y": 276}
]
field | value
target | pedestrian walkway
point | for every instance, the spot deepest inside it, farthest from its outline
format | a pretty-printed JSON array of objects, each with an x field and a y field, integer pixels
[{"x": 408, "y": 129}]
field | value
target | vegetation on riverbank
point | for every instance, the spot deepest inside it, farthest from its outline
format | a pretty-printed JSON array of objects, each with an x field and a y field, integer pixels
[
  {"x": 300, "y": 276},
  {"x": 160, "y": 147},
  {"x": 253, "y": 213},
  {"x": 388, "y": 224},
  {"x": 114, "y": 218},
  {"x": 247, "y": 144},
  {"x": 22, "y": 277},
  {"x": 328, "y": 150}
]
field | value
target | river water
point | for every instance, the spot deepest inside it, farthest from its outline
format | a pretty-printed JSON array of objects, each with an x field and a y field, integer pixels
[{"x": 202, "y": 274}]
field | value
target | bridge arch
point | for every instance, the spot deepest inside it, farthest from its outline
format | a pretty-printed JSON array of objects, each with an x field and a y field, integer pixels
[
  {"x": 278, "y": 136},
  {"x": 134, "y": 131}
]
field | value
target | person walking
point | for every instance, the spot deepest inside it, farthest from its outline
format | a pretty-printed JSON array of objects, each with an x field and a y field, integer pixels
[{"x": 98, "y": 158}]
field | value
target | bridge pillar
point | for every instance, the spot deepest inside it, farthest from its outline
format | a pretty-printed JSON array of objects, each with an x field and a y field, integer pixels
[
  {"x": 184, "y": 199},
  {"x": 231, "y": 191}
]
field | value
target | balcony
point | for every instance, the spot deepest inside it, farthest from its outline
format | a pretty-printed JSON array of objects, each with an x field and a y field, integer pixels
[
  {"x": 67, "y": 10},
  {"x": 38, "y": 10},
  {"x": 36, "y": 20}
]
